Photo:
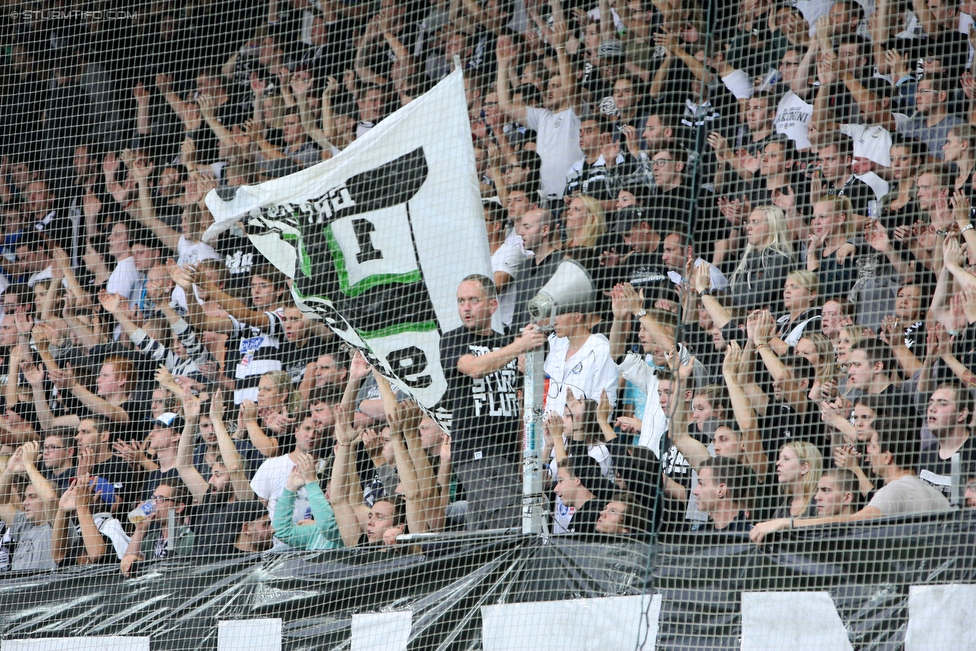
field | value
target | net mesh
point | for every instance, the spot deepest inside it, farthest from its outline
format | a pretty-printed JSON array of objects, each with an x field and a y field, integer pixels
[{"x": 487, "y": 324}]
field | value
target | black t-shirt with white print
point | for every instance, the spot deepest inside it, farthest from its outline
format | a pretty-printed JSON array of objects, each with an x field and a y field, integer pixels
[{"x": 485, "y": 411}]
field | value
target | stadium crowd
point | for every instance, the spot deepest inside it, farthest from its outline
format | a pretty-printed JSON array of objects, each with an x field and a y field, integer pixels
[{"x": 773, "y": 200}]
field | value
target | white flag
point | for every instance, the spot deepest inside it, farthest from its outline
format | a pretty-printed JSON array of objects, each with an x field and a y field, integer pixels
[{"x": 378, "y": 238}]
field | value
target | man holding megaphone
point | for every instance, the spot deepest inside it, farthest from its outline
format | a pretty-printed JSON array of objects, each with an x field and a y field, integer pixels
[{"x": 483, "y": 377}]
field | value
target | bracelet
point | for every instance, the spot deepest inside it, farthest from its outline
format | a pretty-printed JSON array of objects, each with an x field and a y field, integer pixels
[
  {"x": 705, "y": 292},
  {"x": 762, "y": 345},
  {"x": 941, "y": 232},
  {"x": 967, "y": 227}
]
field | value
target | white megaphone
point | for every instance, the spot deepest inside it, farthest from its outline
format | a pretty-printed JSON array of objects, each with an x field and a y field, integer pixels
[{"x": 570, "y": 289}]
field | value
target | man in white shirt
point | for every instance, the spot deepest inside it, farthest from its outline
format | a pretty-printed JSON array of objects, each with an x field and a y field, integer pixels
[
  {"x": 269, "y": 480},
  {"x": 557, "y": 125}
]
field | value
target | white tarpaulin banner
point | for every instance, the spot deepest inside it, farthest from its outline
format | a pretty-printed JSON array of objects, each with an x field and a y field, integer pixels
[{"x": 378, "y": 238}]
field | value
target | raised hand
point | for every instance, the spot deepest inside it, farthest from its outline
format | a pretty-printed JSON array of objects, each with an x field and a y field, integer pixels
[
  {"x": 279, "y": 423},
  {"x": 847, "y": 457},
  {"x": 34, "y": 374},
  {"x": 603, "y": 408},
  {"x": 301, "y": 82},
  {"x": 111, "y": 303},
  {"x": 217, "y": 406},
  {"x": 308, "y": 467},
  {"x": 258, "y": 85},
  {"x": 554, "y": 424},
  {"x": 29, "y": 452},
  {"x": 164, "y": 84},
  {"x": 295, "y": 479},
  {"x": 891, "y": 331},
  {"x": 505, "y": 50},
  {"x": 733, "y": 359},
  {"x": 67, "y": 501},
  {"x": 248, "y": 410},
  {"x": 358, "y": 366},
  {"x": 876, "y": 236},
  {"x": 63, "y": 378},
  {"x": 132, "y": 452},
  {"x": 191, "y": 406},
  {"x": 140, "y": 94}
]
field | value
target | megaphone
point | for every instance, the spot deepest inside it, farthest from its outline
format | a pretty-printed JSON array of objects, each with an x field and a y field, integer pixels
[{"x": 570, "y": 289}]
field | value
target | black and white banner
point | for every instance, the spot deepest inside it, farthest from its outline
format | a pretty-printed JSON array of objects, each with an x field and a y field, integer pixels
[{"x": 378, "y": 238}]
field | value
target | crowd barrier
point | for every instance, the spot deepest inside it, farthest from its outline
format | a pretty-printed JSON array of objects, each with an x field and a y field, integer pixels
[{"x": 885, "y": 585}]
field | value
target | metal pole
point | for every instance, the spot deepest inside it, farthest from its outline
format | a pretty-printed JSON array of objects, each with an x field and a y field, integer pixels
[{"x": 533, "y": 502}]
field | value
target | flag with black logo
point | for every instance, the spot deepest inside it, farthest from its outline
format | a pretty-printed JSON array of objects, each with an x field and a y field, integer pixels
[{"x": 378, "y": 238}]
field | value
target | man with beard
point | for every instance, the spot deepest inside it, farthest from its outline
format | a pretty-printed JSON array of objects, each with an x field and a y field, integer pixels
[{"x": 228, "y": 519}]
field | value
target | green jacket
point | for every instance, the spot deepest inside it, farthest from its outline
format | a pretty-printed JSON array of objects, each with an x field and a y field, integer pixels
[{"x": 322, "y": 534}]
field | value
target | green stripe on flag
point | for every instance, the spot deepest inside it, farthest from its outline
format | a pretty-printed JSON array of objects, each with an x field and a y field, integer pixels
[{"x": 370, "y": 281}]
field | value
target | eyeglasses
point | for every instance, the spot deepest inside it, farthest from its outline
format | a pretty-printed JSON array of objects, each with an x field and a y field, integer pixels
[
  {"x": 159, "y": 499},
  {"x": 920, "y": 91},
  {"x": 52, "y": 448},
  {"x": 661, "y": 162}
]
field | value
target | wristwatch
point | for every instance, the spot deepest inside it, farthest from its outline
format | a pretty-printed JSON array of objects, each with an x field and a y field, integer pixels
[
  {"x": 705, "y": 292},
  {"x": 641, "y": 314},
  {"x": 967, "y": 227}
]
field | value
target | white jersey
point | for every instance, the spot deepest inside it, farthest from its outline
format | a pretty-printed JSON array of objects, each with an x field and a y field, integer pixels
[
  {"x": 793, "y": 120},
  {"x": 558, "y": 145},
  {"x": 588, "y": 373},
  {"x": 508, "y": 258}
]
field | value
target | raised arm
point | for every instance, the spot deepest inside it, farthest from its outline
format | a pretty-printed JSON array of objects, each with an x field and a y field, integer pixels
[
  {"x": 343, "y": 473},
  {"x": 228, "y": 451},
  {"x": 300, "y": 84},
  {"x": 184, "y": 456},
  {"x": 745, "y": 415},
  {"x": 248, "y": 419},
  {"x": 702, "y": 281},
  {"x": 506, "y": 52}
]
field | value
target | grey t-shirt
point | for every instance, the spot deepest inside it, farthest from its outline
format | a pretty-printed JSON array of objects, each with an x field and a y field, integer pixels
[
  {"x": 32, "y": 542},
  {"x": 909, "y": 495}
]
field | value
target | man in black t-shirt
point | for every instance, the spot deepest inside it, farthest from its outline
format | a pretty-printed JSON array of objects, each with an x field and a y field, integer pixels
[
  {"x": 301, "y": 347},
  {"x": 948, "y": 415},
  {"x": 96, "y": 459},
  {"x": 482, "y": 373},
  {"x": 724, "y": 491}
]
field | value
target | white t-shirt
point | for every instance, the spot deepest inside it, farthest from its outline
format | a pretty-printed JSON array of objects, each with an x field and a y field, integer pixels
[
  {"x": 878, "y": 184},
  {"x": 874, "y": 141},
  {"x": 557, "y": 142},
  {"x": 793, "y": 120},
  {"x": 190, "y": 253},
  {"x": 124, "y": 277},
  {"x": 269, "y": 482},
  {"x": 654, "y": 422},
  {"x": 507, "y": 258},
  {"x": 588, "y": 373}
]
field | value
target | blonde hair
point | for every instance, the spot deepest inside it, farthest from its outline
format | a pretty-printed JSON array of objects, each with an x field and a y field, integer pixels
[
  {"x": 854, "y": 333},
  {"x": 596, "y": 225},
  {"x": 807, "y": 280},
  {"x": 283, "y": 385},
  {"x": 827, "y": 367},
  {"x": 779, "y": 240},
  {"x": 807, "y": 453},
  {"x": 843, "y": 206}
]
